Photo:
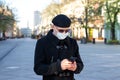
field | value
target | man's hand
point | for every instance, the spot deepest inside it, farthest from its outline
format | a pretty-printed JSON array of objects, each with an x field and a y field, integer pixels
[
  {"x": 66, "y": 64},
  {"x": 73, "y": 66}
]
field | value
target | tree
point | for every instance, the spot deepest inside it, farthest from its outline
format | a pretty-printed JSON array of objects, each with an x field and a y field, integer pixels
[
  {"x": 51, "y": 10},
  {"x": 112, "y": 10},
  {"x": 54, "y": 8},
  {"x": 92, "y": 12},
  {"x": 6, "y": 18}
]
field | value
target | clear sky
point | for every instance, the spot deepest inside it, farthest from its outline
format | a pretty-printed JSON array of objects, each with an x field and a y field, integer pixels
[{"x": 24, "y": 9}]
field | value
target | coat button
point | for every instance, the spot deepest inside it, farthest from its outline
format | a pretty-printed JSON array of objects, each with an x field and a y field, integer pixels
[
  {"x": 56, "y": 73},
  {"x": 60, "y": 75}
]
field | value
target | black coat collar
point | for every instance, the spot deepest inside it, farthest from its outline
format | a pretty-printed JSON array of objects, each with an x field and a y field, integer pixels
[{"x": 52, "y": 38}]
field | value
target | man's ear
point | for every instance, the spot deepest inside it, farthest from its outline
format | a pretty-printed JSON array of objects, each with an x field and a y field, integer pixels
[{"x": 52, "y": 26}]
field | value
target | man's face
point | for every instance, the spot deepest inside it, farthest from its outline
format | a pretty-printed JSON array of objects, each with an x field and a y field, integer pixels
[{"x": 57, "y": 29}]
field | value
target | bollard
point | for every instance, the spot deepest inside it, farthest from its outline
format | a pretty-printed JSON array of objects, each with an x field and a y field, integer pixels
[
  {"x": 105, "y": 40},
  {"x": 93, "y": 40}
]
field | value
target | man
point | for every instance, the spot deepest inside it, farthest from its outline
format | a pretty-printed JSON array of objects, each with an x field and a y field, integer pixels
[{"x": 57, "y": 55}]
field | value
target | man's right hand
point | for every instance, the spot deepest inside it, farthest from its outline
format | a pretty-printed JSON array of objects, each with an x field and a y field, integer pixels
[{"x": 65, "y": 64}]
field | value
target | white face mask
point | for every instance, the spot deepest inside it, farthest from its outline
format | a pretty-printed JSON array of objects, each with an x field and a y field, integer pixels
[{"x": 62, "y": 36}]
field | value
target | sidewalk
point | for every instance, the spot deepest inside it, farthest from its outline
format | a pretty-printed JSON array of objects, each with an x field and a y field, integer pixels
[
  {"x": 101, "y": 61},
  {"x": 6, "y": 46}
]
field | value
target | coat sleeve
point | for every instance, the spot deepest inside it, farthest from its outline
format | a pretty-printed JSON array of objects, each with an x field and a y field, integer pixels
[
  {"x": 79, "y": 62},
  {"x": 40, "y": 68}
]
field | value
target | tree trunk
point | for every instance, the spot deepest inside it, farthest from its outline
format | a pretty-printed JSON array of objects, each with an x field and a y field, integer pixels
[
  {"x": 113, "y": 32},
  {"x": 4, "y": 36},
  {"x": 86, "y": 24}
]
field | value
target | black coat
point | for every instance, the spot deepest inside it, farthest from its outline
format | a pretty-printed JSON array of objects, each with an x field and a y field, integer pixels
[{"x": 48, "y": 55}]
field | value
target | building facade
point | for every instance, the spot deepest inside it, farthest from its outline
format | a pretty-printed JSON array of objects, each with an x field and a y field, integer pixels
[
  {"x": 26, "y": 32},
  {"x": 37, "y": 18}
]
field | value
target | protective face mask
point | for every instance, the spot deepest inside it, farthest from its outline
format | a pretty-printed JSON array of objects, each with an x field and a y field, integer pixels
[{"x": 62, "y": 36}]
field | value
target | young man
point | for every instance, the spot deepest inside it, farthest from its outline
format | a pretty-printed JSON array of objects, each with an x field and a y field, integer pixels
[{"x": 57, "y": 55}]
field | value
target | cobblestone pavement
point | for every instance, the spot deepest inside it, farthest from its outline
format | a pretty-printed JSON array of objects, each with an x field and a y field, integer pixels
[{"x": 101, "y": 62}]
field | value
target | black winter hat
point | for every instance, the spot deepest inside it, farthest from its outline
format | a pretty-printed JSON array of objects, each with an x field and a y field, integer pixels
[{"x": 61, "y": 20}]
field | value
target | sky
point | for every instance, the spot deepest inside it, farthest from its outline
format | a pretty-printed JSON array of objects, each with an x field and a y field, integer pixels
[{"x": 24, "y": 10}]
